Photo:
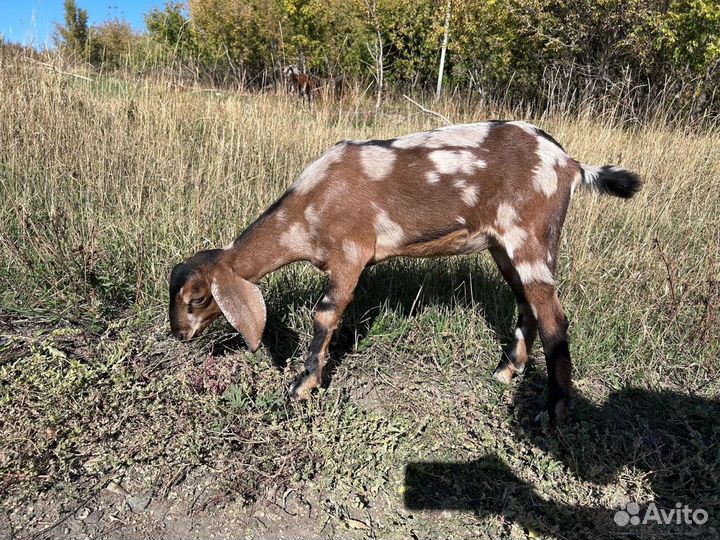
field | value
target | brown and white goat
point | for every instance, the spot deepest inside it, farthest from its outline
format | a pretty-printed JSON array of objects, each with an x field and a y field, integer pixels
[
  {"x": 502, "y": 186},
  {"x": 301, "y": 83}
]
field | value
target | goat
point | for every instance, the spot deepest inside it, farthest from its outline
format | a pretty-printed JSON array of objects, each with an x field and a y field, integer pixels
[
  {"x": 301, "y": 83},
  {"x": 502, "y": 186}
]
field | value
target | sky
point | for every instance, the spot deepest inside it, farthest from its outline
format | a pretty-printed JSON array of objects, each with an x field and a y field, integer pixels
[{"x": 30, "y": 22}]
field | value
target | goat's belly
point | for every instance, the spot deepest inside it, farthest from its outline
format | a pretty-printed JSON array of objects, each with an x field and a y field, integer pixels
[{"x": 459, "y": 242}]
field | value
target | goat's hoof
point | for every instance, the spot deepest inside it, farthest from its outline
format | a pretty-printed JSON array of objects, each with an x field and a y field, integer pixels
[
  {"x": 506, "y": 370},
  {"x": 555, "y": 413},
  {"x": 303, "y": 385}
]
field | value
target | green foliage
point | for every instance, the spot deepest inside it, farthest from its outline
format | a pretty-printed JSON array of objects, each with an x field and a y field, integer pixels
[
  {"x": 112, "y": 42},
  {"x": 690, "y": 34},
  {"x": 74, "y": 35},
  {"x": 506, "y": 48}
]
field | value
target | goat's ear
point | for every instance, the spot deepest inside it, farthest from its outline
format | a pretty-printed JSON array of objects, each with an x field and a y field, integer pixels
[{"x": 242, "y": 304}]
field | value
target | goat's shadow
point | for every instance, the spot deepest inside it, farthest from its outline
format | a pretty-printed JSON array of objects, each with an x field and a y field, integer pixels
[
  {"x": 671, "y": 438},
  {"x": 403, "y": 286}
]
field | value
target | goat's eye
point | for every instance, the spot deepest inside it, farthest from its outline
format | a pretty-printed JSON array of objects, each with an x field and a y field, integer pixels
[{"x": 197, "y": 301}]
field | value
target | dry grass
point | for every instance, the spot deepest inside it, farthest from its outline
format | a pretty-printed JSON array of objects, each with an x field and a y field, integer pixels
[{"x": 106, "y": 184}]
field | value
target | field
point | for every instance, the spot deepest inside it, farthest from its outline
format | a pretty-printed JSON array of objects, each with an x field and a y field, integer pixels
[{"x": 109, "y": 428}]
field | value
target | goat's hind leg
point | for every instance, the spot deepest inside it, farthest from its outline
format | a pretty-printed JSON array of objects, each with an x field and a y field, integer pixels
[
  {"x": 553, "y": 332},
  {"x": 538, "y": 294},
  {"x": 514, "y": 359}
]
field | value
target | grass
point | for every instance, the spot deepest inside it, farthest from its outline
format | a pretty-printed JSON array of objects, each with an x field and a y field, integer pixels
[{"x": 105, "y": 185}]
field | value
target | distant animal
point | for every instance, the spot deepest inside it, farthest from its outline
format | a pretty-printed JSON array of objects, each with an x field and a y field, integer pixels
[
  {"x": 300, "y": 82},
  {"x": 502, "y": 186}
]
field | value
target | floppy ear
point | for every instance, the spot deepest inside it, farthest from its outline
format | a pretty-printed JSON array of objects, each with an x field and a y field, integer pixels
[{"x": 242, "y": 304}]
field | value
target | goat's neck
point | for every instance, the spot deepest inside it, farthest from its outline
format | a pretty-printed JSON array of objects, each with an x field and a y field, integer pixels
[{"x": 257, "y": 251}]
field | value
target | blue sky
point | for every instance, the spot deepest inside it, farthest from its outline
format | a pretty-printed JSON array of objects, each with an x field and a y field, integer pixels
[{"x": 31, "y": 21}]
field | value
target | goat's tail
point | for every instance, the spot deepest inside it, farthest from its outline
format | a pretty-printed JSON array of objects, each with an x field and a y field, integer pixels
[{"x": 611, "y": 180}]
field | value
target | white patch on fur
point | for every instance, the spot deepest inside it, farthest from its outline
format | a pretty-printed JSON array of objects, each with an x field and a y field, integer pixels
[
  {"x": 469, "y": 135},
  {"x": 591, "y": 176},
  {"x": 534, "y": 272},
  {"x": 281, "y": 214},
  {"x": 377, "y": 161},
  {"x": 549, "y": 257},
  {"x": 411, "y": 141},
  {"x": 460, "y": 220},
  {"x": 389, "y": 233},
  {"x": 575, "y": 183},
  {"x": 513, "y": 239},
  {"x": 352, "y": 251},
  {"x": 461, "y": 135},
  {"x": 311, "y": 216},
  {"x": 456, "y": 161},
  {"x": 297, "y": 240},
  {"x": 477, "y": 243},
  {"x": 469, "y": 194},
  {"x": 519, "y": 335},
  {"x": 317, "y": 171},
  {"x": 506, "y": 216},
  {"x": 513, "y": 235},
  {"x": 433, "y": 177},
  {"x": 527, "y": 128},
  {"x": 551, "y": 156}
]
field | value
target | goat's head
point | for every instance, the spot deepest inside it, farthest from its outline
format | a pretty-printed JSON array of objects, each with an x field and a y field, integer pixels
[
  {"x": 203, "y": 287},
  {"x": 291, "y": 71}
]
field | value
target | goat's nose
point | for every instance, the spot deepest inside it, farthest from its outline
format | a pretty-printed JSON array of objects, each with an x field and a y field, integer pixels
[{"x": 179, "y": 334}]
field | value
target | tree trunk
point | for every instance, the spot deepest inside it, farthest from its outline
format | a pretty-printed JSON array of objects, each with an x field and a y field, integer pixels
[{"x": 443, "y": 49}]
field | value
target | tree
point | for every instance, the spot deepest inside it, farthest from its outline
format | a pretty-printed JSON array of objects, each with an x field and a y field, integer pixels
[
  {"x": 171, "y": 27},
  {"x": 74, "y": 35},
  {"x": 112, "y": 42}
]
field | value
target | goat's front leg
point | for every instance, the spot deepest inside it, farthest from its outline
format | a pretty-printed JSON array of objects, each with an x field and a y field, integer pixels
[{"x": 329, "y": 312}]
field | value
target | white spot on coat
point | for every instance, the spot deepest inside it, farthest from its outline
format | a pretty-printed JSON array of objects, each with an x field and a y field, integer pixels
[
  {"x": 506, "y": 216},
  {"x": 468, "y": 193},
  {"x": 477, "y": 243},
  {"x": 298, "y": 240},
  {"x": 377, "y": 161},
  {"x": 551, "y": 156},
  {"x": 527, "y": 128},
  {"x": 389, "y": 233},
  {"x": 513, "y": 236},
  {"x": 352, "y": 251},
  {"x": 537, "y": 271},
  {"x": 575, "y": 183},
  {"x": 460, "y": 220},
  {"x": 317, "y": 171},
  {"x": 433, "y": 177},
  {"x": 456, "y": 161},
  {"x": 411, "y": 141},
  {"x": 311, "y": 216},
  {"x": 513, "y": 239},
  {"x": 461, "y": 135},
  {"x": 592, "y": 173}
]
